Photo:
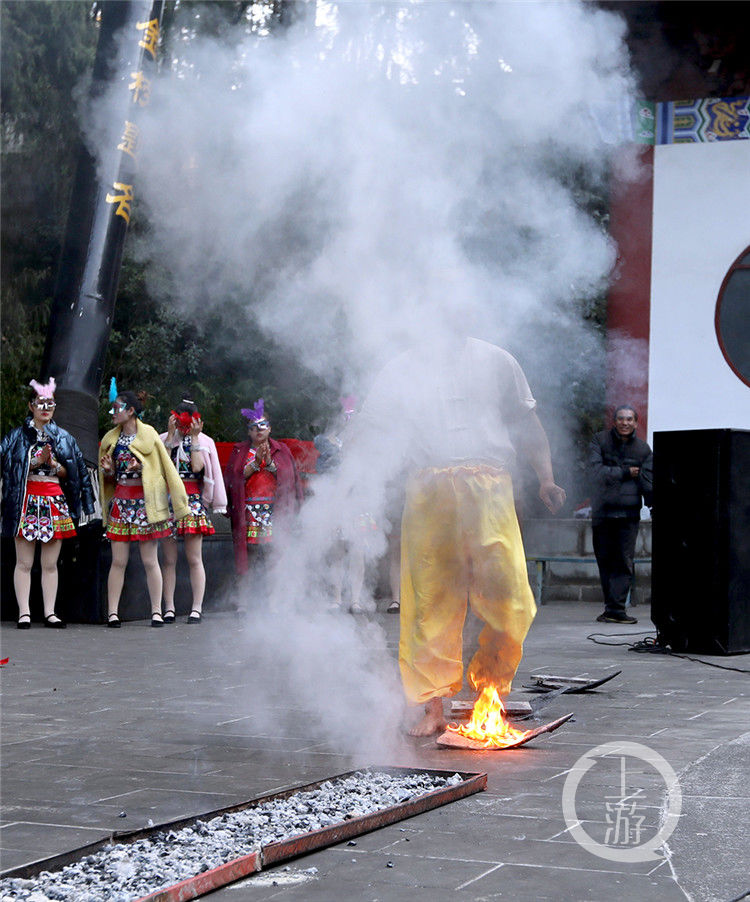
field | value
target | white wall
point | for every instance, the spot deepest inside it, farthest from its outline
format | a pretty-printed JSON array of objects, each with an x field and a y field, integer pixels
[{"x": 701, "y": 226}]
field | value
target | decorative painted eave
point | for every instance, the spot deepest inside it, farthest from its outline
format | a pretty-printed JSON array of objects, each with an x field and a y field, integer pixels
[{"x": 699, "y": 121}]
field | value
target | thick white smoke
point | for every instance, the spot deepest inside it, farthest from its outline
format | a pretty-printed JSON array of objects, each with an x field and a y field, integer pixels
[{"x": 385, "y": 174}]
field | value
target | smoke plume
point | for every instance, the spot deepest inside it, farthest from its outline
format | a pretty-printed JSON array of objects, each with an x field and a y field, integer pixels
[{"x": 379, "y": 175}]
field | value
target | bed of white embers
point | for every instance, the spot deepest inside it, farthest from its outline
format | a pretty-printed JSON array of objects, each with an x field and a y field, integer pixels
[{"x": 122, "y": 872}]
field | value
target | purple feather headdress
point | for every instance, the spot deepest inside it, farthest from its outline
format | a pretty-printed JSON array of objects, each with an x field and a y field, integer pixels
[
  {"x": 255, "y": 413},
  {"x": 44, "y": 391}
]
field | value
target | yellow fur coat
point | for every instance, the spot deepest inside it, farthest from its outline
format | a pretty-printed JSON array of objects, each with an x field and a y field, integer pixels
[{"x": 160, "y": 479}]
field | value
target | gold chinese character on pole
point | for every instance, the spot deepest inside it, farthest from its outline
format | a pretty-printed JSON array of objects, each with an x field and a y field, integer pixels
[
  {"x": 151, "y": 36},
  {"x": 129, "y": 140},
  {"x": 141, "y": 88},
  {"x": 123, "y": 200}
]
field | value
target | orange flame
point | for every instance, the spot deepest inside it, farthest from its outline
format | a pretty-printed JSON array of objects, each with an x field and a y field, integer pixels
[{"x": 488, "y": 724}]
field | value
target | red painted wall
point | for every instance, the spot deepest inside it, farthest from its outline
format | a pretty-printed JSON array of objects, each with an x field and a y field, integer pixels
[{"x": 629, "y": 299}]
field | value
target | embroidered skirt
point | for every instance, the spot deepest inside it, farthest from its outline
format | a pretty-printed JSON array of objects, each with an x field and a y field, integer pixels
[
  {"x": 45, "y": 515},
  {"x": 259, "y": 516},
  {"x": 127, "y": 517},
  {"x": 196, "y": 523}
]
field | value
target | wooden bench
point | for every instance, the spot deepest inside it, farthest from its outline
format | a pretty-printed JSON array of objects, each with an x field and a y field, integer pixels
[{"x": 542, "y": 560}]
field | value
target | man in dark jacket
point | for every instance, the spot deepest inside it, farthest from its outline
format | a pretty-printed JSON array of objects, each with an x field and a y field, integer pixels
[{"x": 621, "y": 467}]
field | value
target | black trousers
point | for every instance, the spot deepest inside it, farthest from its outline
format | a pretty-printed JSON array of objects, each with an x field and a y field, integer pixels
[{"x": 614, "y": 547}]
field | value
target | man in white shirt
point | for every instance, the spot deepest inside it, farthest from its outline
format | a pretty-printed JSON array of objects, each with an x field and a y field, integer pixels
[{"x": 461, "y": 412}]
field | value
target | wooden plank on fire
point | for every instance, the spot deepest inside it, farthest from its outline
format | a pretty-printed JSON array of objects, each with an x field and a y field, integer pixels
[
  {"x": 513, "y": 708},
  {"x": 453, "y": 740}
]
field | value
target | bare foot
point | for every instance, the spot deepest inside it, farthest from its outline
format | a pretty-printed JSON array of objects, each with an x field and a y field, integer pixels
[{"x": 433, "y": 720}]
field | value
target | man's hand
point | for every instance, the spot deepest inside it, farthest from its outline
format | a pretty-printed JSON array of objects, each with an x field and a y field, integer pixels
[{"x": 552, "y": 496}]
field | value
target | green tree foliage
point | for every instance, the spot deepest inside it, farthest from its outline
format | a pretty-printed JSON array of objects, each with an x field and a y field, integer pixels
[
  {"x": 48, "y": 51},
  {"x": 222, "y": 361}
]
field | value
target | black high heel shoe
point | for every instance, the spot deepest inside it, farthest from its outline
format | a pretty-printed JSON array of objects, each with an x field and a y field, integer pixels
[
  {"x": 114, "y": 624},
  {"x": 54, "y": 624},
  {"x": 24, "y": 622}
]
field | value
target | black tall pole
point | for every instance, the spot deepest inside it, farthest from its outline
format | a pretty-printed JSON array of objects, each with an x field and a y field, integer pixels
[{"x": 103, "y": 193}]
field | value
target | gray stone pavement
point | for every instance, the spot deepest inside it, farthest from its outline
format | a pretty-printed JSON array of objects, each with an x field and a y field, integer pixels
[{"x": 158, "y": 724}]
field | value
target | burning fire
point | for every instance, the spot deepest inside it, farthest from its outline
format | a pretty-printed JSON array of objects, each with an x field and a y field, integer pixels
[{"x": 488, "y": 724}]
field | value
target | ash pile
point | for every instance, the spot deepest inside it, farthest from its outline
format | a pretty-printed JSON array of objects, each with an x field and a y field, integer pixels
[{"x": 123, "y": 872}]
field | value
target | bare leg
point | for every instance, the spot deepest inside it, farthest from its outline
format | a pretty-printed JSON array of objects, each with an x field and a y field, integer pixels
[
  {"x": 194, "y": 555},
  {"x": 356, "y": 575},
  {"x": 251, "y": 579},
  {"x": 150, "y": 558},
  {"x": 433, "y": 721},
  {"x": 394, "y": 569},
  {"x": 334, "y": 558},
  {"x": 169, "y": 572},
  {"x": 257, "y": 558},
  {"x": 50, "y": 554},
  {"x": 394, "y": 564},
  {"x": 120, "y": 555},
  {"x": 22, "y": 574}
]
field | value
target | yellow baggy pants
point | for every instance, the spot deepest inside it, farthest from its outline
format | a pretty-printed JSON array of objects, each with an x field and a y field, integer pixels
[{"x": 460, "y": 541}]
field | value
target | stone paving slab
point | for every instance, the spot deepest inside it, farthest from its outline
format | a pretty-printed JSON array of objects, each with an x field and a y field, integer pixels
[{"x": 160, "y": 724}]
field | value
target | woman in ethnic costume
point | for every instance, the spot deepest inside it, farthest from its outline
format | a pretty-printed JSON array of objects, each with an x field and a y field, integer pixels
[
  {"x": 45, "y": 485},
  {"x": 137, "y": 479},
  {"x": 195, "y": 457},
  {"x": 263, "y": 486}
]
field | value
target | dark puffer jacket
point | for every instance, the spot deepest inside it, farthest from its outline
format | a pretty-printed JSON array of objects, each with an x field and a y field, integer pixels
[
  {"x": 615, "y": 492},
  {"x": 14, "y": 457}
]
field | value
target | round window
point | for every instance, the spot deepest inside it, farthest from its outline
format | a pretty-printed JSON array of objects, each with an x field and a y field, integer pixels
[{"x": 733, "y": 317}]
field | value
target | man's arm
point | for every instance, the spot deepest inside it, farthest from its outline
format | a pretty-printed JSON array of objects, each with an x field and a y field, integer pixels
[
  {"x": 646, "y": 480},
  {"x": 531, "y": 441},
  {"x": 604, "y": 474}
]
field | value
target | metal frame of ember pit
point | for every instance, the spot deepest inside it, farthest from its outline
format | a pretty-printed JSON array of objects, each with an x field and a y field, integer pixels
[{"x": 274, "y": 853}]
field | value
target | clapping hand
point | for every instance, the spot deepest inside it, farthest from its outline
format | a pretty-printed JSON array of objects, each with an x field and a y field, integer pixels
[
  {"x": 264, "y": 452},
  {"x": 107, "y": 466}
]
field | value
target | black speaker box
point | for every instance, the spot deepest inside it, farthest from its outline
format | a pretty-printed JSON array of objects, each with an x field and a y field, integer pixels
[{"x": 701, "y": 540}]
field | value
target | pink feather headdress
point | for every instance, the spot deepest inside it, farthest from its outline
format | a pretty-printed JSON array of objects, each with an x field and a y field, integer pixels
[{"x": 44, "y": 391}]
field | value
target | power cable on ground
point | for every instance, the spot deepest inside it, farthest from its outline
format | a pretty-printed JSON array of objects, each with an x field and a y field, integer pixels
[{"x": 651, "y": 645}]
